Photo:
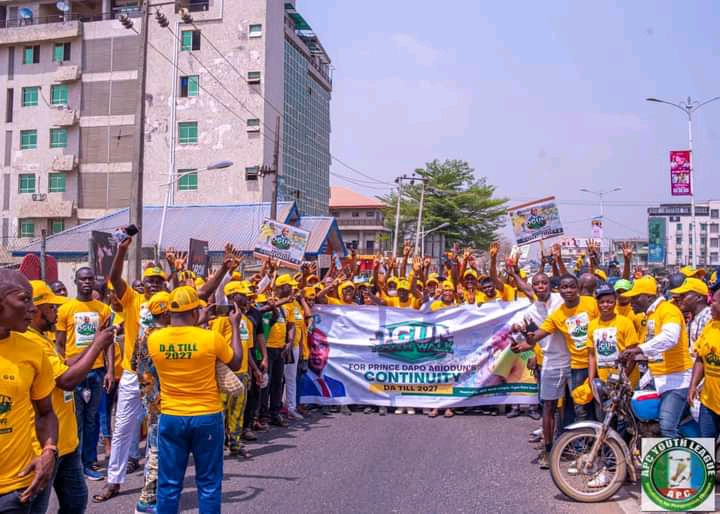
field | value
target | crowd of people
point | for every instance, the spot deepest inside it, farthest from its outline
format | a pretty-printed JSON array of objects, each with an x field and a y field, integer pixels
[{"x": 198, "y": 367}]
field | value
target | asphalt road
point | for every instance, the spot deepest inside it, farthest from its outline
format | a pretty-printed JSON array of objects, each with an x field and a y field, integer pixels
[{"x": 394, "y": 464}]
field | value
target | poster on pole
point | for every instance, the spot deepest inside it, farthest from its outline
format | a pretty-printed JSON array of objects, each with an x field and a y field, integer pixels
[
  {"x": 535, "y": 221},
  {"x": 282, "y": 242},
  {"x": 656, "y": 240},
  {"x": 680, "y": 173},
  {"x": 102, "y": 253},
  {"x": 198, "y": 257},
  {"x": 597, "y": 228}
]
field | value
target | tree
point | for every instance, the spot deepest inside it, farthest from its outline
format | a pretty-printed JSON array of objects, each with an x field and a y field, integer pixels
[{"x": 452, "y": 195}]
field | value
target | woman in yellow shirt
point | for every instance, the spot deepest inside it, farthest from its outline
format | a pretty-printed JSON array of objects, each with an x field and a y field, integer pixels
[
  {"x": 447, "y": 298},
  {"x": 707, "y": 366}
]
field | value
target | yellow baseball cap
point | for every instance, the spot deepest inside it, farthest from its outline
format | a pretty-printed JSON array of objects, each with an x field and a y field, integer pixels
[
  {"x": 154, "y": 271},
  {"x": 199, "y": 282},
  {"x": 232, "y": 288},
  {"x": 692, "y": 285},
  {"x": 347, "y": 284},
  {"x": 691, "y": 271},
  {"x": 643, "y": 285},
  {"x": 403, "y": 284},
  {"x": 42, "y": 294},
  {"x": 582, "y": 394},
  {"x": 600, "y": 274},
  {"x": 261, "y": 298},
  {"x": 312, "y": 279},
  {"x": 159, "y": 303},
  {"x": 470, "y": 273},
  {"x": 392, "y": 280},
  {"x": 236, "y": 276},
  {"x": 283, "y": 280},
  {"x": 184, "y": 299},
  {"x": 448, "y": 286},
  {"x": 433, "y": 278}
]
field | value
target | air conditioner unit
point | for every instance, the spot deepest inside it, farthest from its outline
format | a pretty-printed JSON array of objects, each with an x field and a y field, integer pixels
[{"x": 39, "y": 197}]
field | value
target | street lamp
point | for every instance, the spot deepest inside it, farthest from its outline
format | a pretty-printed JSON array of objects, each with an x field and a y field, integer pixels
[
  {"x": 600, "y": 195},
  {"x": 424, "y": 234},
  {"x": 215, "y": 166},
  {"x": 689, "y": 107}
]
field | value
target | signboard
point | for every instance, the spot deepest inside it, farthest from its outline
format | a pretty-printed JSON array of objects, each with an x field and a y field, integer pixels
[
  {"x": 680, "y": 173},
  {"x": 198, "y": 259},
  {"x": 282, "y": 242},
  {"x": 597, "y": 228},
  {"x": 102, "y": 253},
  {"x": 535, "y": 221},
  {"x": 459, "y": 356},
  {"x": 656, "y": 240}
]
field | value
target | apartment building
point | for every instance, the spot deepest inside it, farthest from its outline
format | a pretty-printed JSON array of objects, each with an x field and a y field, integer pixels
[
  {"x": 360, "y": 219},
  {"x": 672, "y": 227},
  {"x": 216, "y": 90}
]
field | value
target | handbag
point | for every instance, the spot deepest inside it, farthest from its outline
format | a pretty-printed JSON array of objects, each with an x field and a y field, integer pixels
[{"x": 227, "y": 380}]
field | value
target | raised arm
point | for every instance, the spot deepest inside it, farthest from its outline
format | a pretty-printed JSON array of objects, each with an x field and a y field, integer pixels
[
  {"x": 116, "y": 270},
  {"x": 231, "y": 260},
  {"x": 627, "y": 250},
  {"x": 557, "y": 260},
  {"x": 494, "y": 249}
]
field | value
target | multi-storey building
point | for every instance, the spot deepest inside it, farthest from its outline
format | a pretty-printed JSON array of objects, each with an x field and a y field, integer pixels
[
  {"x": 217, "y": 89},
  {"x": 360, "y": 219},
  {"x": 673, "y": 229}
]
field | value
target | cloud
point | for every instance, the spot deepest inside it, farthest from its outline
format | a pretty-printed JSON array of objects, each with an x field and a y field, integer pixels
[{"x": 424, "y": 54}]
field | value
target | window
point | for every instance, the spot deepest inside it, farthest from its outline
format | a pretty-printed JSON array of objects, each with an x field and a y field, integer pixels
[
  {"x": 253, "y": 77},
  {"x": 56, "y": 183},
  {"x": 255, "y": 30},
  {"x": 370, "y": 214},
  {"x": 189, "y": 86},
  {"x": 26, "y": 183},
  {"x": 58, "y": 138},
  {"x": 31, "y": 54},
  {"x": 253, "y": 125},
  {"x": 61, "y": 52},
  {"x": 251, "y": 173},
  {"x": 355, "y": 214},
  {"x": 30, "y": 96},
  {"x": 28, "y": 139},
  {"x": 188, "y": 132},
  {"x": 713, "y": 258},
  {"x": 678, "y": 241},
  {"x": 370, "y": 246},
  {"x": 703, "y": 241},
  {"x": 714, "y": 243},
  {"x": 188, "y": 180},
  {"x": 59, "y": 94},
  {"x": 679, "y": 227},
  {"x": 9, "y": 105},
  {"x": 190, "y": 40},
  {"x": 703, "y": 227},
  {"x": 715, "y": 213},
  {"x": 27, "y": 228},
  {"x": 57, "y": 226},
  {"x": 713, "y": 228}
]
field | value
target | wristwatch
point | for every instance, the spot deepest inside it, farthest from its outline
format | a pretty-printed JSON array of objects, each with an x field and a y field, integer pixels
[{"x": 52, "y": 448}]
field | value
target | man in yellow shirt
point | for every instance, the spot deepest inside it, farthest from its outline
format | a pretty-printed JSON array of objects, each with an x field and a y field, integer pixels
[
  {"x": 78, "y": 321},
  {"x": 294, "y": 314},
  {"x": 68, "y": 482},
  {"x": 447, "y": 297},
  {"x": 26, "y": 385},
  {"x": 191, "y": 419},
  {"x": 664, "y": 341},
  {"x": 707, "y": 367}
]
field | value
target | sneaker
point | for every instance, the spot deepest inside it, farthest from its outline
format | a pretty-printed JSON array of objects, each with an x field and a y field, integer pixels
[
  {"x": 295, "y": 415},
  {"x": 600, "y": 481},
  {"x": 543, "y": 460},
  {"x": 278, "y": 421},
  {"x": 399, "y": 410},
  {"x": 411, "y": 411},
  {"x": 534, "y": 413},
  {"x": 382, "y": 410},
  {"x": 144, "y": 508},
  {"x": 92, "y": 474},
  {"x": 514, "y": 412},
  {"x": 535, "y": 438},
  {"x": 248, "y": 435},
  {"x": 367, "y": 410}
]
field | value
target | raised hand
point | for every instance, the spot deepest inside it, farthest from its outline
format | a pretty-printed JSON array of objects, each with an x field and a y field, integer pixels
[
  {"x": 417, "y": 264},
  {"x": 627, "y": 250},
  {"x": 170, "y": 255},
  {"x": 180, "y": 261},
  {"x": 494, "y": 249},
  {"x": 406, "y": 249},
  {"x": 556, "y": 251}
]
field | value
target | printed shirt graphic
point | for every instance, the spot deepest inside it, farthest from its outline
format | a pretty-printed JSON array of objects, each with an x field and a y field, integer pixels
[
  {"x": 608, "y": 339},
  {"x": 221, "y": 325},
  {"x": 132, "y": 303},
  {"x": 707, "y": 348},
  {"x": 278, "y": 331},
  {"x": 80, "y": 321},
  {"x": 185, "y": 358},
  {"x": 573, "y": 324},
  {"x": 25, "y": 375}
]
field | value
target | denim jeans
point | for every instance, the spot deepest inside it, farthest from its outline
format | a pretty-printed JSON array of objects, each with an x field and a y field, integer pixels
[
  {"x": 274, "y": 391},
  {"x": 573, "y": 412},
  {"x": 107, "y": 402},
  {"x": 709, "y": 422},
  {"x": 70, "y": 487},
  {"x": 673, "y": 408},
  {"x": 10, "y": 503},
  {"x": 87, "y": 415},
  {"x": 178, "y": 437}
]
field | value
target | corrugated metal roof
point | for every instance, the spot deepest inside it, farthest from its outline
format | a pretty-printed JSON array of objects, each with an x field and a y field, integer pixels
[{"x": 323, "y": 232}]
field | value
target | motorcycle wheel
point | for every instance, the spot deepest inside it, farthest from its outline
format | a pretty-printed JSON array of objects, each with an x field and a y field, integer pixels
[{"x": 568, "y": 452}]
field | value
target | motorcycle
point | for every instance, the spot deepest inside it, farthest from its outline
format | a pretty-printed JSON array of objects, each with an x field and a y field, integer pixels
[{"x": 591, "y": 460}]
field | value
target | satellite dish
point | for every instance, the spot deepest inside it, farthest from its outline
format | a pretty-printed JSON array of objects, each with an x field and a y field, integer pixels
[
  {"x": 25, "y": 12},
  {"x": 62, "y": 6}
]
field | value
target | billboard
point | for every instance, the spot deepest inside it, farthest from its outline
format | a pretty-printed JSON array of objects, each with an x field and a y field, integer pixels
[
  {"x": 680, "y": 173},
  {"x": 283, "y": 242},
  {"x": 656, "y": 241},
  {"x": 535, "y": 221}
]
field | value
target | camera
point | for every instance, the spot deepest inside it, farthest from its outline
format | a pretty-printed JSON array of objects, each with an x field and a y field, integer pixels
[{"x": 123, "y": 233}]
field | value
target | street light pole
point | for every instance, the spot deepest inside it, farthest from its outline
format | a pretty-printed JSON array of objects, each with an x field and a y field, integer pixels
[
  {"x": 398, "y": 181},
  {"x": 601, "y": 195},
  {"x": 688, "y": 108},
  {"x": 420, "y": 213}
]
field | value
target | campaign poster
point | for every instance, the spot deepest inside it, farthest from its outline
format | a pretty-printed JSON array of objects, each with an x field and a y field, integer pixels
[
  {"x": 102, "y": 248},
  {"x": 680, "y": 173},
  {"x": 282, "y": 242},
  {"x": 535, "y": 221},
  {"x": 597, "y": 228},
  {"x": 198, "y": 257}
]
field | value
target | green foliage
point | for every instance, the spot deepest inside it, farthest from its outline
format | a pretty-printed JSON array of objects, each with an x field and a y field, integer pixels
[{"x": 452, "y": 195}]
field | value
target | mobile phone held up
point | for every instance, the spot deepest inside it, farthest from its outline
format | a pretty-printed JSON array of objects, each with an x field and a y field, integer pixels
[{"x": 123, "y": 233}]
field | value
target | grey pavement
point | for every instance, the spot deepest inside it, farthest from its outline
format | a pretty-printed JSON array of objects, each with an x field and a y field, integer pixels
[{"x": 394, "y": 464}]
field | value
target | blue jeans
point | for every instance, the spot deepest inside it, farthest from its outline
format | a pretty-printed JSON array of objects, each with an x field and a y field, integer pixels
[
  {"x": 107, "y": 402},
  {"x": 673, "y": 408},
  {"x": 572, "y": 412},
  {"x": 70, "y": 487},
  {"x": 709, "y": 422},
  {"x": 178, "y": 436},
  {"x": 10, "y": 503},
  {"x": 87, "y": 415}
]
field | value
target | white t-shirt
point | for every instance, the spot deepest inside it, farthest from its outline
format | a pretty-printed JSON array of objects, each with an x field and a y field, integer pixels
[{"x": 554, "y": 349}]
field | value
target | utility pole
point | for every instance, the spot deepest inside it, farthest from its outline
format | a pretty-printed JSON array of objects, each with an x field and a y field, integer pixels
[
  {"x": 418, "y": 229},
  {"x": 274, "y": 171}
]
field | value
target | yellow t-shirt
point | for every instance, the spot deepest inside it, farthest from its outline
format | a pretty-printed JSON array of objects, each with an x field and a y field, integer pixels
[
  {"x": 538, "y": 354},
  {"x": 184, "y": 358},
  {"x": 410, "y": 303},
  {"x": 25, "y": 376},
  {"x": 707, "y": 347},
  {"x": 221, "y": 325},
  {"x": 331, "y": 300},
  {"x": 137, "y": 319},
  {"x": 506, "y": 295},
  {"x": 608, "y": 339},
  {"x": 295, "y": 313},
  {"x": 278, "y": 331},
  {"x": 626, "y": 310},
  {"x": 473, "y": 298},
  {"x": 81, "y": 321},
  {"x": 439, "y": 305},
  {"x": 573, "y": 325},
  {"x": 63, "y": 402},
  {"x": 676, "y": 358}
]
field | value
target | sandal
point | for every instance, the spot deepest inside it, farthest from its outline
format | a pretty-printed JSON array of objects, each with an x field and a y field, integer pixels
[
  {"x": 449, "y": 413},
  {"x": 108, "y": 492},
  {"x": 433, "y": 413},
  {"x": 132, "y": 466}
]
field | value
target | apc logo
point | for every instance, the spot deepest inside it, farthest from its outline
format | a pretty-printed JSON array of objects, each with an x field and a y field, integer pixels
[{"x": 413, "y": 342}]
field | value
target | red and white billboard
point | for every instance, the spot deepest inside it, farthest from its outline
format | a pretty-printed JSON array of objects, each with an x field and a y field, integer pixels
[{"x": 680, "y": 170}]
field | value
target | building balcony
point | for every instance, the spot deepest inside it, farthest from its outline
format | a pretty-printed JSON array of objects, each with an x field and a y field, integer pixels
[
  {"x": 64, "y": 162},
  {"x": 67, "y": 73},
  {"x": 18, "y": 31},
  {"x": 369, "y": 224},
  {"x": 63, "y": 117},
  {"x": 42, "y": 205}
]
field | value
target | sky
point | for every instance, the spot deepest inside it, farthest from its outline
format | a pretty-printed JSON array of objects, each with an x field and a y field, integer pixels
[{"x": 542, "y": 98}]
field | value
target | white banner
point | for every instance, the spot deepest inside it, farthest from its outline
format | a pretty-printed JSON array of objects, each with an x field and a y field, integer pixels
[{"x": 458, "y": 356}]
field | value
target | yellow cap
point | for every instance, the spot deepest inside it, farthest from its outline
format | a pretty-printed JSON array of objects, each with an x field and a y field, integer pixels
[
  {"x": 199, "y": 281},
  {"x": 283, "y": 280},
  {"x": 470, "y": 273},
  {"x": 342, "y": 287},
  {"x": 42, "y": 294},
  {"x": 236, "y": 276},
  {"x": 448, "y": 286},
  {"x": 309, "y": 292},
  {"x": 600, "y": 274},
  {"x": 643, "y": 285},
  {"x": 392, "y": 280},
  {"x": 583, "y": 394},
  {"x": 261, "y": 298},
  {"x": 154, "y": 271},
  {"x": 692, "y": 285},
  {"x": 159, "y": 303},
  {"x": 312, "y": 279},
  {"x": 184, "y": 299},
  {"x": 433, "y": 278},
  {"x": 232, "y": 288},
  {"x": 403, "y": 284},
  {"x": 691, "y": 271}
]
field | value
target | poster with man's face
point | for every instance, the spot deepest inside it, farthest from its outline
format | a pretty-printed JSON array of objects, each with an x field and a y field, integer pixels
[{"x": 102, "y": 247}]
